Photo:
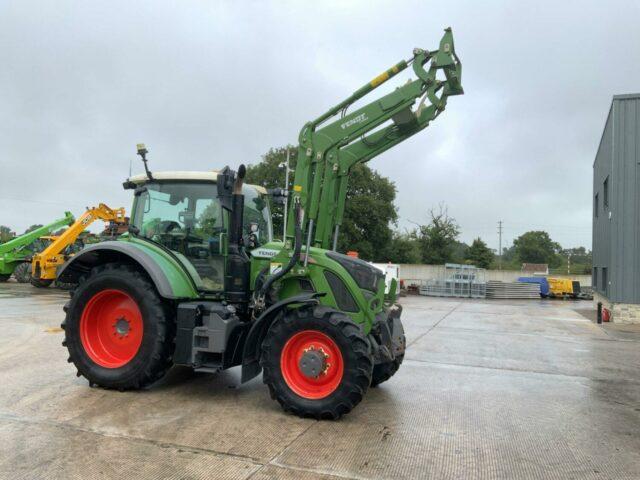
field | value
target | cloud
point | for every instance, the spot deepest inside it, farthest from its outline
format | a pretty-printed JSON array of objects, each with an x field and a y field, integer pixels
[{"x": 205, "y": 84}]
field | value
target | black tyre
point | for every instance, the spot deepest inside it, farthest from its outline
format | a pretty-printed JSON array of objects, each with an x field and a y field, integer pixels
[
  {"x": 40, "y": 282},
  {"x": 118, "y": 330},
  {"x": 4, "y": 277},
  {"x": 22, "y": 273},
  {"x": 384, "y": 371},
  {"x": 317, "y": 362}
]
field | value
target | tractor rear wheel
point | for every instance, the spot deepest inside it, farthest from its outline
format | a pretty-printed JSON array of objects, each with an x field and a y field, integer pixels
[
  {"x": 118, "y": 330},
  {"x": 22, "y": 273},
  {"x": 40, "y": 282},
  {"x": 316, "y": 362}
]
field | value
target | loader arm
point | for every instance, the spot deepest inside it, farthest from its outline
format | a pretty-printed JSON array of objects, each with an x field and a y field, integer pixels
[
  {"x": 45, "y": 264},
  {"x": 328, "y": 151}
]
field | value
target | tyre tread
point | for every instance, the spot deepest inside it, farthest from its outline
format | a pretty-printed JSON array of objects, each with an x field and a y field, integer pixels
[{"x": 358, "y": 376}]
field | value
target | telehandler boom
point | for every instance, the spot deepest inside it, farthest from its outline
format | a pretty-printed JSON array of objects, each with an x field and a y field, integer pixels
[
  {"x": 199, "y": 281},
  {"x": 17, "y": 252},
  {"x": 45, "y": 264}
]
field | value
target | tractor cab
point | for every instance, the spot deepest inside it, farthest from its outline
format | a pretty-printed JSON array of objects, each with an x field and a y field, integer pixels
[{"x": 182, "y": 212}]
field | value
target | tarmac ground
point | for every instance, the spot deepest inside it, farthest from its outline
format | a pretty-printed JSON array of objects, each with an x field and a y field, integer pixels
[{"x": 488, "y": 389}]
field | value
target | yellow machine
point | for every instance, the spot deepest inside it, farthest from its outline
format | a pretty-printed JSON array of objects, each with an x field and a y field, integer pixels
[
  {"x": 45, "y": 264},
  {"x": 563, "y": 287}
]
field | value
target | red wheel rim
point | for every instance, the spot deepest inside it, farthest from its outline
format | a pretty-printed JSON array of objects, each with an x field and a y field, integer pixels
[
  {"x": 305, "y": 386},
  {"x": 111, "y": 328}
]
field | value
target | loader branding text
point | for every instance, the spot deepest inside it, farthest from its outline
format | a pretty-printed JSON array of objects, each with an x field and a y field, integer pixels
[{"x": 357, "y": 119}]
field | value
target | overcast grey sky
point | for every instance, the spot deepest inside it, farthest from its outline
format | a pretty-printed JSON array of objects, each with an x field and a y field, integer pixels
[{"x": 205, "y": 84}]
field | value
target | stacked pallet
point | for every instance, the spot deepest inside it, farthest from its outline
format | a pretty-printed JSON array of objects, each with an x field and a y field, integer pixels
[{"x": 515, "y": 290}]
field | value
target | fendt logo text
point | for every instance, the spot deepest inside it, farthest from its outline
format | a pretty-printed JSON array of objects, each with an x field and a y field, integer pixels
[{"x": 358, "y": 119}]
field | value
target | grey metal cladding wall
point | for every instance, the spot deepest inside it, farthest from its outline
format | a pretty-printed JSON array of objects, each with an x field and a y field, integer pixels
[
  {"x": 625, "y": 256},
  {"x": 601, "y": 226}
]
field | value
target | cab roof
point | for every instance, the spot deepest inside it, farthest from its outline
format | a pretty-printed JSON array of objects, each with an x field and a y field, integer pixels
[{"x": 207, "y": 176}]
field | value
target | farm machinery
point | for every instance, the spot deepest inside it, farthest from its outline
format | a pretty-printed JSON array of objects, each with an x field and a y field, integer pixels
[
  {"x": 45, "y": 264},
  {"x": 199, "y": 281},
  {"x": 17, "y": 253}
]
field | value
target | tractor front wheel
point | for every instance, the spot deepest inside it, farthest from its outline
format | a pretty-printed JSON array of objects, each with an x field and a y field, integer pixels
[
  {"x": 384, "y": 371},
  {"x": 22, "y": 273},
  {"x": 316, "y": 362},
  {"x": 118, "y": 330}
]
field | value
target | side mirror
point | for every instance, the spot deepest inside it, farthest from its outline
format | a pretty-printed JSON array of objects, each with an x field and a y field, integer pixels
[{"x": 230, "y": 183}]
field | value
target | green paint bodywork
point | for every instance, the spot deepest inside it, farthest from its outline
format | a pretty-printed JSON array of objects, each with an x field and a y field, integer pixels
[
  {"x": 182, "y": 283},
  {"x": 19, "y": 249},
  {"x": 289, "y": 285}
]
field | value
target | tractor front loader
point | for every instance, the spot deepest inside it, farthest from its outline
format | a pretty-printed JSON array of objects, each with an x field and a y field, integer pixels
[
  {"x": 198, "y": 280},
  {"x": 16, "y": 254}
]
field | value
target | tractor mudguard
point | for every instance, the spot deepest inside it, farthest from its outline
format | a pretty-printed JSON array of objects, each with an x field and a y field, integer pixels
[
  {"x": 170, "y": 279},
  {"x": 251, "y": 352}
]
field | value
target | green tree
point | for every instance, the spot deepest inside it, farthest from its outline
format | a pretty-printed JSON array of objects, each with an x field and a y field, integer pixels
[
  {"x": 269, "y": 174},
  {"x": 33, "y": 227},
  {"x": 479, "y": 254},
  {"x": 438, "y": 239},
  {"x": 368, "y": 214},
  {"x": 459, "y": 253},
  {"x": 404, "y": 248},
  {"x": 537, "y": 247},
  {"x": 509, "y": 259},
  {"x": 6, "y": 234},
  {"x": 369, "y": 209},
  {"x": 509, "y": 254}
]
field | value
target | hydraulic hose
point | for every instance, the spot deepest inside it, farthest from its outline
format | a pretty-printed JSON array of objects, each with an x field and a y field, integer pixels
[{"x": 294, "y": 258}]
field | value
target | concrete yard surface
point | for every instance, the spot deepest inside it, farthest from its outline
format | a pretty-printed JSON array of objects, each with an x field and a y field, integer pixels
[{"x": 488, "y": 389}]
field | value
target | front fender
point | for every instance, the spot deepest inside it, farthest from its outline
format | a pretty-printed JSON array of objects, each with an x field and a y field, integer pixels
[
  {"x": 251, "y": 351},
  {"x": 169, "y": 277}
]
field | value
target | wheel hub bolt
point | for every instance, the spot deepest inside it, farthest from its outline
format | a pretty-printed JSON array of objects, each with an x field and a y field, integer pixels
[
  {"x": 122, "y": 327},
  {"x": 313, "y": 362}
]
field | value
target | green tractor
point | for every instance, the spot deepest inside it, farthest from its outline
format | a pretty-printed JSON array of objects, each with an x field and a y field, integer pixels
[{"x": 199, "y": 281}]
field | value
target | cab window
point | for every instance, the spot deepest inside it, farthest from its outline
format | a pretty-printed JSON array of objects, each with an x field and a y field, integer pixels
[{"x": 185, "y": 217}]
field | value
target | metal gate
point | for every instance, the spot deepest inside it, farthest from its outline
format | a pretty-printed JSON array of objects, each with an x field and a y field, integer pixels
[{"x": 456, "y": 280}]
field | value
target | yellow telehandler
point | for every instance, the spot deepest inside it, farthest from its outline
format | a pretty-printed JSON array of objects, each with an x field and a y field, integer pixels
[{"x": 44, "y": 265}]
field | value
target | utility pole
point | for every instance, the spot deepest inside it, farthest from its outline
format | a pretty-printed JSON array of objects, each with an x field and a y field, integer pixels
[
  {"x": 499, "y": 244},
  {"x": 569, "y": 264},
  {"x": 286, "y": 198}
]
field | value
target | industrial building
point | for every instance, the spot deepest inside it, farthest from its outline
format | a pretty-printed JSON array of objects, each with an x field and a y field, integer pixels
[{"x": 616, "y": 212}]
